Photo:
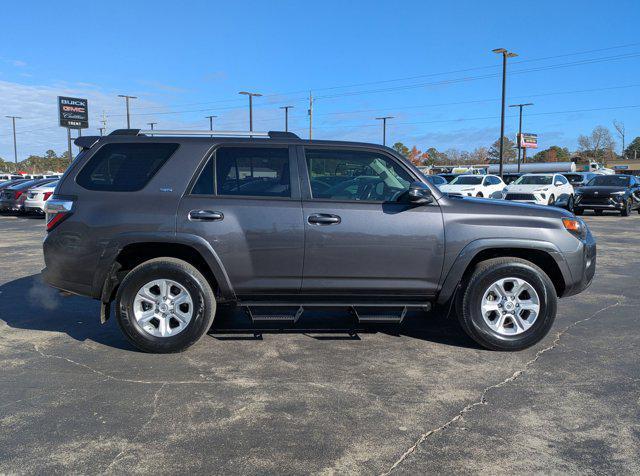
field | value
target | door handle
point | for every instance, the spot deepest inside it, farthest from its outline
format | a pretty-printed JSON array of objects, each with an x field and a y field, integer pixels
[
  {"x": 205, "y": 215},
  {"x": 323, "y": 219}
]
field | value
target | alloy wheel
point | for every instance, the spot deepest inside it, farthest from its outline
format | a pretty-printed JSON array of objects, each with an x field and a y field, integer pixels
[{"x": 510, "y": 306}]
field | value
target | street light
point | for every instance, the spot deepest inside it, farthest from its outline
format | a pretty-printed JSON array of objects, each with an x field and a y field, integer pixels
[
  {"x": 126, "y": 98},
  {"x": 286, "y": 117},
  {"x": 251, "y": 95},
  {"x": 211, "y": 118},
  {"x": 520, "y": 129},
  {"x": 15, "y": 146},
  {"x": 384, "y": 127},
  {"x": 505, "y": 54}
]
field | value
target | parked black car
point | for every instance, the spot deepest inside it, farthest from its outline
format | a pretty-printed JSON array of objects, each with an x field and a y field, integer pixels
[
  {"x": 509, "y": 178},
  {"x": 609, "y": 192},
  {"x": 448, "y": 177}
]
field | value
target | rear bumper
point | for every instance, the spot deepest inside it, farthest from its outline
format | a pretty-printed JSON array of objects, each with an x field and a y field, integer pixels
[{"x": 55, "y": 280}]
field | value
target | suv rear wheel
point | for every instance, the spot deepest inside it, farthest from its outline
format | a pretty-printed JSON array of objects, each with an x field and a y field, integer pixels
[
  {"x": 165, "y": 305},
  {"x": 507, "y": 304}
]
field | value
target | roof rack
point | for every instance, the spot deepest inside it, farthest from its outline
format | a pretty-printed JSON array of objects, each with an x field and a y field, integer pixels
[{"x": 160, "y": 132}]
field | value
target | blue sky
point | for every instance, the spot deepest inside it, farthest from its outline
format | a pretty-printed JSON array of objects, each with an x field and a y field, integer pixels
[{"x": 429, "y": 64}]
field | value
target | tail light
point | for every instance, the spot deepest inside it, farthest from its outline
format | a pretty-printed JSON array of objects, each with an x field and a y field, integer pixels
[
  {"x": 16, "y": 194},
  {"x": 57, "y": 210},
  {"x": 46, "y": 196}
]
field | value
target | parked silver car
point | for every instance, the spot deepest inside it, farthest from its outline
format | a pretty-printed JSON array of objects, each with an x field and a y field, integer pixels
[
  {"x": 12, "y": 198},
  {"x": 34, "y": 203}
]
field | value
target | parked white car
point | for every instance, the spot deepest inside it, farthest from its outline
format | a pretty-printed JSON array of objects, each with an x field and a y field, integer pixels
[
  {"x": 539, "y": 189},
  {"x": 487, "y": 186},
  {"x": 34, "y": 203}
]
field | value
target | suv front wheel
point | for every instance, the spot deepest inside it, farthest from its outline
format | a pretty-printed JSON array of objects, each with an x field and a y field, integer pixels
[
  {"x": 507, "y": 304},
  {"x": 164, "y": 305}
]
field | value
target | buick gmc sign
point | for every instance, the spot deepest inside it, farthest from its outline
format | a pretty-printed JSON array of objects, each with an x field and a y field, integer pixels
[{"x": 73, "y": 112}]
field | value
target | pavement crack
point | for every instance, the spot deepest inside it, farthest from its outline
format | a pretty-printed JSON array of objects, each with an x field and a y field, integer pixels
[
  {"x": 483, "y": 395},
  {"x": 156, "y": 396}
]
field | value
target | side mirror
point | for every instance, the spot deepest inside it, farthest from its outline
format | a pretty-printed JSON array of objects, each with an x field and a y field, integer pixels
[{"x": 420, "y": 194}]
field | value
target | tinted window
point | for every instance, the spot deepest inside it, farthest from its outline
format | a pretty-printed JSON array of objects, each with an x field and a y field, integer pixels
[
  {"x": 435, "y": 179},
  {"x": 355, "y": 175},
  {"x": 253, "y": 171},
  {"x": 124, "y": 167},
  {"x": 466, "y": 180},
  {"x": 561, "y": 179},
  {"x": 609, "y": 181},
  {"x": 534, "y": 180},
  {"x": 204, "y": 184}
]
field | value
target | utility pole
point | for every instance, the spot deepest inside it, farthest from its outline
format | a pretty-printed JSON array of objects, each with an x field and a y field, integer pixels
[
  {"x": 286, "y": 117},
  {"x": 211, "y": 118},
  {"x": 505, "y": 54},
  {"x": 15, "y": 144},
  {"x": 520, "y": 129},
  {"x": 126, "y": 99},
  {"x": 310, "y": 112},
  {"x": 384, "y": 127},
  {"x": 101, "y": 129},
  {"x": 151, "y": 124},
  {"x": 251, "y": 95},
  {"x": 103, "y": 121}
]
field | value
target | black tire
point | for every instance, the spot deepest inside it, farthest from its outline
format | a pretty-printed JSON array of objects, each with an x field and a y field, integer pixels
[
  {"x": 204, "y": 304},
  {"x": 473, "y": 288},
  {"x": 571, "y": 204},
  {"x": 480, "y": 195},
  {"x": 552, "y": 200},
  {"x": 578, "y": 211},
  {"x": 626, "y": 211}
]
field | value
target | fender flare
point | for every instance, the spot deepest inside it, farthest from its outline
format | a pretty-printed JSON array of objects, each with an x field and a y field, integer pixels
[
  {"x": 471, "y": 250},
  {"x": 105, "y": 281}
]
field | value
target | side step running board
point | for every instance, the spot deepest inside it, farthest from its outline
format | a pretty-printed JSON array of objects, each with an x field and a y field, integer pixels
[
  {"x": 379, "y": 317},
  {"x": 280, "y": 316}
]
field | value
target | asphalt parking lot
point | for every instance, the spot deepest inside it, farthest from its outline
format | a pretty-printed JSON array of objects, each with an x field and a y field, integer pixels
[{"x": 75, "y": 397}]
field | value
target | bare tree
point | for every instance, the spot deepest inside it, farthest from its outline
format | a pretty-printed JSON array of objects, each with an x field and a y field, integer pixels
[
  {"x": 621, "y": 131},
  {"x": 598, "y": 144}
]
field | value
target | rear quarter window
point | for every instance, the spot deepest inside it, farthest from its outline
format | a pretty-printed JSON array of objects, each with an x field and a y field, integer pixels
[{"x": 125, "y": 167}]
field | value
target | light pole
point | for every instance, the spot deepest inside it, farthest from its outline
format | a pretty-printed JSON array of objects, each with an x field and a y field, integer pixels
[
  {"x": 211, "y": 118},
  {"x": 151, "y": 124},
  {"x": 126, "y": 98},
  {"x": 520, "y": 129},
  {"x": 384, "y": 127},
  {"x": 286, "y": 117},
  {"x": 101, "y": 129},
  {"x": 251, "y": 95},
  {"x": 15, "y": 144},
  {"x": 505, "y": 54}
]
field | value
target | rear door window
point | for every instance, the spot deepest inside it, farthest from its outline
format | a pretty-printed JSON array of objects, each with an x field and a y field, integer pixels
[
  {"x": 125, "y": 167},
  {"x": 253, "y": 171}
]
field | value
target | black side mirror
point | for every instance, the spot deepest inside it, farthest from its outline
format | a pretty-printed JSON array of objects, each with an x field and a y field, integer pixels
[{"x": 420, "y": 194}]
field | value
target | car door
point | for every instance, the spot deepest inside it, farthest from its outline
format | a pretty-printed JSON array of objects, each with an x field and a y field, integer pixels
[
  {"x": 246, "y": 204},
  {"x": 360, "y": 237}
]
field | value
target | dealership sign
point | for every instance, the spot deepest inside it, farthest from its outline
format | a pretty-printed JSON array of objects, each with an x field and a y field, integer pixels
[
  {"x": 73, "y": 112},
  {"x": 528, "y": 141}
]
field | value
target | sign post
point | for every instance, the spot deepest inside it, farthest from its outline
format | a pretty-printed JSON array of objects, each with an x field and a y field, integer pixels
[{"x": 73, "y": 113}]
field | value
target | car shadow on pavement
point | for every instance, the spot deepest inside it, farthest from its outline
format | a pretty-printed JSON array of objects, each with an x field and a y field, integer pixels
[{"x": 28, "y": 303}]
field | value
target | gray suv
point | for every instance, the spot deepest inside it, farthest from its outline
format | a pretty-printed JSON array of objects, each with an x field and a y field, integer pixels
[{"x": 169, "y": 225}]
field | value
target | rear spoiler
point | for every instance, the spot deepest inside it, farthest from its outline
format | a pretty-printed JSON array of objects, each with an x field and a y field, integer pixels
[{"x": 86, "y": 142}]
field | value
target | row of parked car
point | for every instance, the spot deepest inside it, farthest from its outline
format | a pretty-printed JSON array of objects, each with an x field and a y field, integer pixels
[
  {"x": 576, "y": 191},
  {"x": 24, "y": 195}
]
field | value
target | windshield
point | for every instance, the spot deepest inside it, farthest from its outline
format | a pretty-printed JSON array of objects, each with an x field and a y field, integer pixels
[
  {"x": 609, "y": 181},
  {"x": 534, "y": 180},
  {"x": 466, "y": 180}
]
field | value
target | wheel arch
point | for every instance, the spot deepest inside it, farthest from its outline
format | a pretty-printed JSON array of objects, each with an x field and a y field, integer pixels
[
  {"x": 543, "y": 254},
  {"x": 128, "y": 251}
]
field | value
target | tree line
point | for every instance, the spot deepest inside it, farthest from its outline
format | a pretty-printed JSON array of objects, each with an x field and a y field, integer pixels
[
  {"x": 599, "y": 145},
  {"x": 37, "y": 164}
]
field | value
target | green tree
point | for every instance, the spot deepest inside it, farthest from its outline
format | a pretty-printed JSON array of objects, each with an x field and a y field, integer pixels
[
  {"x": 401, "y": 149},
  {"x": 554, "y": 153},
  {"x": 633, "y": 150},
  {"x": 508, "y": 153}
]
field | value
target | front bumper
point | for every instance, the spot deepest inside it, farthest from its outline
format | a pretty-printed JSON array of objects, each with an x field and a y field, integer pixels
[
  {"x": 582, "y": 266},
  {"x": 606, "y": 203}
]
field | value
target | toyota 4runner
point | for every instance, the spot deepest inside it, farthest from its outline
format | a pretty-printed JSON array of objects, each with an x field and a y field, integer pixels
[{"x": 170, "y": 224}]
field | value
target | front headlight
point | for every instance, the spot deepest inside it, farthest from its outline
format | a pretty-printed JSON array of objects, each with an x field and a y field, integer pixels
[{"x": 576, "y": 227}]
